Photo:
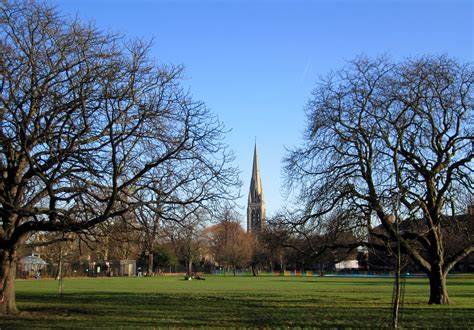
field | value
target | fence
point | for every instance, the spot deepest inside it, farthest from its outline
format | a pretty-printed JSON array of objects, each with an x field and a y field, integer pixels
[{"x": 310, "y": 273}]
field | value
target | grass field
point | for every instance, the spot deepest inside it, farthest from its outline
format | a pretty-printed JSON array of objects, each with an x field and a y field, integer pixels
[{"x": 235, "y": 302}]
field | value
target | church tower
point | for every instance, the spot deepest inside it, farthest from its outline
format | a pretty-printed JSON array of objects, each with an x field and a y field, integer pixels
[{"x": 256, "y": 205}]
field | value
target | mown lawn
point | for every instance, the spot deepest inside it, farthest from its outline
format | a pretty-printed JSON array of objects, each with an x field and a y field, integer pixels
[{"x": 235, "y": 302}]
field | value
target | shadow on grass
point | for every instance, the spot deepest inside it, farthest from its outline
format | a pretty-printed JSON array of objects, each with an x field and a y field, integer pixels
[
  {"x": 126, "y": 309},
  {"x": 336, "y": 281},
  {"x": 105, "y": 309}
]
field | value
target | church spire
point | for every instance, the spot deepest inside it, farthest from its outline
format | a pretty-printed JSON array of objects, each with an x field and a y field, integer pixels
[
  {"x": 256, "y": 205},
  {"x": 256, "y": 181}
]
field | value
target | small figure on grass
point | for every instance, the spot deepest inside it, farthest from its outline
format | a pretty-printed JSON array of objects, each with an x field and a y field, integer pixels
[{"x": 193, "y": 276}]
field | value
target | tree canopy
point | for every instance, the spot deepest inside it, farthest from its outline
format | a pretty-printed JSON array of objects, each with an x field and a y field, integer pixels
[
  {"x": 92, "y": 128},
  {"x": 387, "y": 140}
]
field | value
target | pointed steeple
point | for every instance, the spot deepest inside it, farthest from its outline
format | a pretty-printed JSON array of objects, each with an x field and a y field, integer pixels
[
  {"x": 256, "y": 181},
  {"x": 256, "y": 204}
]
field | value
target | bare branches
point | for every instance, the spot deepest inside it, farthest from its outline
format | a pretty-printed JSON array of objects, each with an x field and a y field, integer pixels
[
  {"x": 457, "y": 257},
  {"x": 91, "y": 128},
  {"x": 379, "y": 130}
]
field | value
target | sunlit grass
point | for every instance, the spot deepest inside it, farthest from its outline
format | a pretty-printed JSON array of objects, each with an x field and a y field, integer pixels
[{"x": 240, "y": 301}]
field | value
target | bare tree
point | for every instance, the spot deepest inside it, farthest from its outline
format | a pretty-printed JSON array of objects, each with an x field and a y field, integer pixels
[
  {"x": 195, "y": 185},
  {"x": 325, "y": 240},
  {"x": 329, "y": 244},
  {"x": 187, "y": 235},
  {"x": 87, "y": 119},
  {"x": 380, "y": 132},
  {"x": 231, "y": 245},
  {"x": 273, "y": 240},
  {"x": 114, "y": 239}
]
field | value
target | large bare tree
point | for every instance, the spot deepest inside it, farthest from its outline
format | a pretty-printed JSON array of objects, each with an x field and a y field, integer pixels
[
  {"x": 392, "y": 142},
  {"x": 87, "y": 119}
]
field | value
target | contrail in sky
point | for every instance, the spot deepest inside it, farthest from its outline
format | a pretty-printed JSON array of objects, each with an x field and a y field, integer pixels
[{"x": 306, "y": 70}]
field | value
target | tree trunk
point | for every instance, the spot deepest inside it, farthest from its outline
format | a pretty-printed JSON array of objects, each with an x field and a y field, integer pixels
[
  {"x": 396, "y": 298},
  {"x": 150, "y": 263},
  {"x": 438, "y": 289},
  {"x": 190, "y": 267},
  {"x": 7, "y": 280},
  {"x": 254, "y": 270},
  {"x": 60, "y": 263}
]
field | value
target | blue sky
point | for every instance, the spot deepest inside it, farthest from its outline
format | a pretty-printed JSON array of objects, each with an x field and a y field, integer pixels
[{"x": 254, "y": 63}]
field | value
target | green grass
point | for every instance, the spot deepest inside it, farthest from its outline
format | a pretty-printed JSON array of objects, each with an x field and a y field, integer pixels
[{"x": 235, "y": 302}]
